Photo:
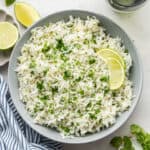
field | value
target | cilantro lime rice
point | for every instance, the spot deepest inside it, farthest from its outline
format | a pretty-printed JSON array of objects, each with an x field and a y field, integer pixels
[{"x": 63, "y": 81}]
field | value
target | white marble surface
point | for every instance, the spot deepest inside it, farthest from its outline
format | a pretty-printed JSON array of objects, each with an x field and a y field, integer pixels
[{"x": 137, "y": 25}]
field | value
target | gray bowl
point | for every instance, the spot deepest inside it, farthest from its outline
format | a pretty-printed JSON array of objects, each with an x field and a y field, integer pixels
[{"x": 136, "y": 76}]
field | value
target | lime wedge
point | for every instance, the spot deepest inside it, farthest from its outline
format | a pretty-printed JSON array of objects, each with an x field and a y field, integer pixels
[
  {"x": 116, "y": 73},
  {"x": 25, "y": 14},
  {"x": 8, "y": 35},
  {"x": 106, "y": 53}
]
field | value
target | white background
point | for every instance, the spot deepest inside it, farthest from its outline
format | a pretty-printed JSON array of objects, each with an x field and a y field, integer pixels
[{"x": 137, "y": 25}]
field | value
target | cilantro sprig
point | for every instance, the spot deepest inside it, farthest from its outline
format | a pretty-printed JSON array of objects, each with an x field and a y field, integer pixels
[
  {"x": 141, "y": 136},
  {"x": 125, "y": 142},
  {"x": 9, "y": 2}
]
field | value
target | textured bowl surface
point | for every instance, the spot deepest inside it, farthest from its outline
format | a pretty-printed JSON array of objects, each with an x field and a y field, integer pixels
[
  {"x": 5, "y": 55},
  {"x": 114, "y": 30}
]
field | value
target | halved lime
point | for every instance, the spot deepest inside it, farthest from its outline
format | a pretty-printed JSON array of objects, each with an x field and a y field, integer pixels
[
  {"x": 8, "y": 35},
  {"x": 116, "y": 73},
  {"x": 106, "y": 53},
  {"x": 25, "y": 14}
]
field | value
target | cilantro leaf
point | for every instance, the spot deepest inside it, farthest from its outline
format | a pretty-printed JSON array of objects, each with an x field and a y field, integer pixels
[
  {"x": 127, "y": 144},
  {"x": 116, "y": 142},
  {"x": 142, "y": 137},
  {"x": 9, "y": 2}
]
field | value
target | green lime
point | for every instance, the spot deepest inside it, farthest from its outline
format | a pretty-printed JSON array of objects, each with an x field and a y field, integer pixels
[{"x": 8, "y": 35}]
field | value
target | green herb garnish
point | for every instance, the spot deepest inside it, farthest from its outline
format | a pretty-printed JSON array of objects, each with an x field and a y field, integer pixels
[
  {"x": 125, "y": 143},
  {"x": 67, "y": 75},
  {"x": 92, "y": 116},
  {"x": 54, "y": 89},
  {"x": 116, "y": 142},
  {"x": 142, "y": 137},
  {"x": 91, "y": 74},
  {"x": 40, "y": 85},
  {"x": 45, "y": 48},
  {"x": 126, "y": 51},
  {"x": 92, "y": 61},
  {"x": 104, "y": 79},
  {"x": 44, "y": 98},
  {"x": 32, "y": 64},
  {"x": 60, "y": 45},
  {"x": 9, "y": 2},
  {"x": 122, "y": 143}
]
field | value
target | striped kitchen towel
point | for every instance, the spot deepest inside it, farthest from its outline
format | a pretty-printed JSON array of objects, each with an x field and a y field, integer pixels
[{"x": 15, "y": 134}]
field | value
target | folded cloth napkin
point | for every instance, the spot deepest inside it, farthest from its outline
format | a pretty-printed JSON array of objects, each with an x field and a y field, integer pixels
[{"x": 15, "y": 134}]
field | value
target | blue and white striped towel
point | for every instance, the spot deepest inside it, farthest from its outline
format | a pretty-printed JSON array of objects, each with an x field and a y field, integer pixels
[{"x": 15, "y": 134}]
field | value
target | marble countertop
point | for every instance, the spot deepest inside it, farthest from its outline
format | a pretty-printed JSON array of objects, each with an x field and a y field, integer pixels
[{"x": 137, "y": 25}]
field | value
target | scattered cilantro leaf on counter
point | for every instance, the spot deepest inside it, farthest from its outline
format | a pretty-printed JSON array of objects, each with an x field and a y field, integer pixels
[
  {"x": 116, "y": 142},
  {"x": 142, "y": 137},
  {"x": 125, "y": 142},
  {"x": 9, "y": 2}
]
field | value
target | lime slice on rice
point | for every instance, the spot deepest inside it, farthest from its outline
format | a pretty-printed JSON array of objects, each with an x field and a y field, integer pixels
[
  {"x": 106, "y": 53},
  {"x": 116, "y": 67},
  {"x": 25, "y": 13},
  {"x": 8, "y": 35},
  {"x": 116, "y": 73}
]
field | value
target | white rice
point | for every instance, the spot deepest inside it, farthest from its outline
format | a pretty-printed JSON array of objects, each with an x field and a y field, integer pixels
[{"x": 64, "y": 82}]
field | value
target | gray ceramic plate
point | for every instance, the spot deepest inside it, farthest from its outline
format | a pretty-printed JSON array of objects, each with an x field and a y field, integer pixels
[
  {"x": 5, "y": 16},
  {"x": 114, "y": 30}
]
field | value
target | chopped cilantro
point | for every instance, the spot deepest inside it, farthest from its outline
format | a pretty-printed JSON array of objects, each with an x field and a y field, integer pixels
[
  {"x": 97, "y": 111},
  {"x": 63, "y": 57},
  {"x": 86, "y": 41},
  {"x": 45, "y": 72},
  {"x": 54, "y": 89},
  {"x": 65, "y": 129},
  {"x": 78, "y": 79},
  {"x": 60, "y": 45},
  {"x": 45, "y": 48},
  {"x": 104, "y": 79},
  {"x": 32, "y": 64},
  {"x": 89, "y": 104},
  {"x": 44, "y": 98},
  {"x": 92, "y": 116},
  {"x": 106, "y": 90},
  {"x": 67, "y": 75},
  {"x": 91, "y": 74},
  {"x": 81, "y": 92},
  {"x": 92, "y": 61},
  {"x": 93, "y": 39},
  {"x": 40, "y": 85},
  {"x": 126, "y": 51}
]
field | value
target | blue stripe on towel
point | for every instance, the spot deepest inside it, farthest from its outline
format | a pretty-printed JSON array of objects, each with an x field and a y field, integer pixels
[{"x": 15, "y": 134}]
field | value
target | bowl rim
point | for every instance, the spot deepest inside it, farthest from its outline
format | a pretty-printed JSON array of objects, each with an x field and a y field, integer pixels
[
  {"x": 126, "y": 9},
  {"x": 116, "y": 125}
]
